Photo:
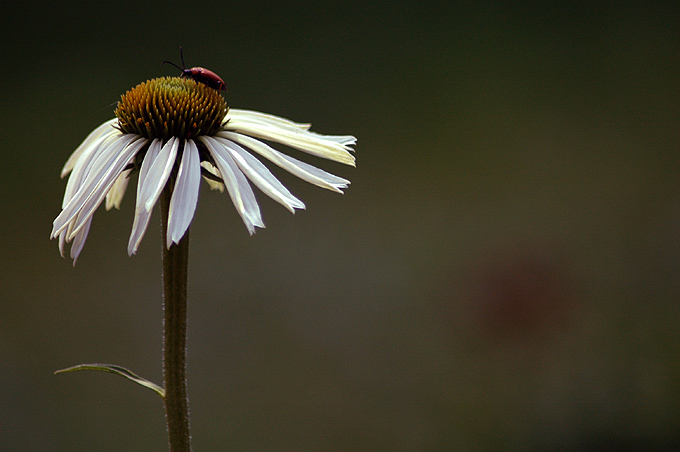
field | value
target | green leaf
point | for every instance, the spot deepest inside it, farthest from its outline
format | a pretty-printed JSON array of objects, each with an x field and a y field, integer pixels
[{"x": 118, "y": 370}]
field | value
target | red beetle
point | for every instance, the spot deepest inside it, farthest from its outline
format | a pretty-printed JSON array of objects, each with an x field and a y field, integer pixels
[{"x": 200, "y": 74}]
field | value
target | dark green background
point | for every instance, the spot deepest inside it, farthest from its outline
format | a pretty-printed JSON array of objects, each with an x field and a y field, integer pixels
[{"x": 502, "y": 274}]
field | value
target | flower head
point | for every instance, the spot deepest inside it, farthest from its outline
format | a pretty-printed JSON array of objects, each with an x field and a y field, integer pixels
[{"x": 175, "y": 130}]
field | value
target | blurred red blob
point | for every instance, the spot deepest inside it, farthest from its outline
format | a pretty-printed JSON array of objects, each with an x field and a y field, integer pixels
[{"x": 522, "y": 293}]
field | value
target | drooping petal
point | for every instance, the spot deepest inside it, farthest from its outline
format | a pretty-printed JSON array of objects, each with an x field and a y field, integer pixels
[
  {"x": 104, "y": 185},
  {"x": 94, "y": 136},
  {"x": 303, "y": 170},
  {"x": 62, "y": 243},
  {"x": 212, "y": 169},
  {"x": 330, "y": 147},
  {"x": 104, "y": 172},
  {"x": 184, "y": 194},
  {"x": 338, "y": 183},
  {"x": 149, "y": 160},
  {"x": 81, "y": 179},
  {"x": 79, "y": 241},
  {"x": 139, "y": 226},
  {"x": 258, "y": 174},
  {"x": 85, "y": 162},
  {"x": 142, "y": 215},
  {"x": 237, "y": 185},
  {"x": 115, "y": 195},
  {"x": 238, "y": 115},
  {"x": 159, "y": 172}
]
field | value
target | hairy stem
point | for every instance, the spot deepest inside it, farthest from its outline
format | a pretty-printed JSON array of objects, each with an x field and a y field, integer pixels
[{"x": 175, "y": 263}]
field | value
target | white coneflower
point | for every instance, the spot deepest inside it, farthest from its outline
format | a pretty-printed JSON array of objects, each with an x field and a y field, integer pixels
[{"x": 175, "y": 129}]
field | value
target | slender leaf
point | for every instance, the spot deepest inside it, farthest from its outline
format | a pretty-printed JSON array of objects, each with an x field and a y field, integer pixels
[{"x": 118, "y": 370}]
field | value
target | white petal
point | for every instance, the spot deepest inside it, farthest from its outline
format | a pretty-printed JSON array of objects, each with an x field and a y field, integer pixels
[
  {"x": 106, "y": 182},
  {"x": 115, "y": 195},
  {"x": 85, "y": 162},
  {"x": 159, "y": 173},
  {"x": 344, "y": 140},
  {"x": 84, "y": 178},
  {"x": 300, "y": 169},
  {"x": 79, "y": 241},
  {"x": 104, "y": 172},
  {"x": 264, "y": 118},
  {"x": 139, "y": 226},
  {"x": 334, "y": 181},
  {"x": 237, "y": 185},
  {"x": 185, "y": 193},
  {"x": 142, "y": 215},
  {"x": 334, "y": 148},
  {"x": 212, "y": 169},
  {"x": 261, "y": 176},
  {"x": 62, "y": 243},
  {"x": 149, "y": 160},
  {"x": 94, "y": 136}
]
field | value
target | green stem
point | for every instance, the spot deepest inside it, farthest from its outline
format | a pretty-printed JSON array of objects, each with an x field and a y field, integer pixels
[{"x": 175, "y": 263}]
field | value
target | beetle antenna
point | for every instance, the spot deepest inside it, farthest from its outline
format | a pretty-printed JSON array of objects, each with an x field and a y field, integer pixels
[
  {"x": 181, "y": 55},
  {"x": 170, "y": 62}
]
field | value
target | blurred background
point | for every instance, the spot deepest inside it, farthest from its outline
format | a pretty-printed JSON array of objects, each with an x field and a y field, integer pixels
[{"x": 502, "y": 274}]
